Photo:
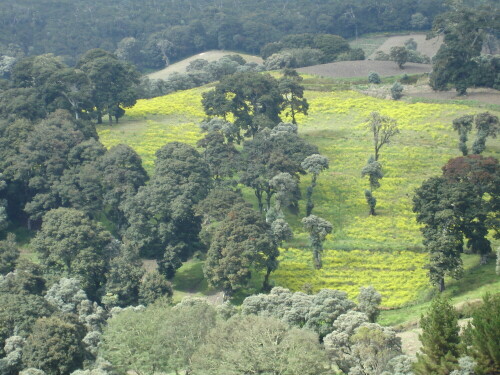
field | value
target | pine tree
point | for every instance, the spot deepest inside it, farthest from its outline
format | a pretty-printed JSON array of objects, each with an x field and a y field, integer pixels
[{"x": 440, "y": 340}]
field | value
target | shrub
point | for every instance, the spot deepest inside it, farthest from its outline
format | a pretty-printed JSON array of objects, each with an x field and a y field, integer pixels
[
  {"x": 397, "y": 91},
  {"x": 373, "y": 77}
]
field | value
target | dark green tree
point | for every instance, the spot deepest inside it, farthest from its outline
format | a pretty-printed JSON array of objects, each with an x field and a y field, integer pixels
[
  {"x": 221, "y": 156},
  {"x": 487, "y": 125},
  {"x": 293, "y": 93},
  {"x": 463, "y": 125},
  {"x": 55, "y": 345},
  {"x": 69, "y": 243},
  {"x": 113, "y": 81},
  {"x": 153, "y": 287},
  {"x": 440, "y": 339},
  {"x": 9, "y": 253},
  {"x": 242, "y": 243},
  {"x": 162, "y": 222},
  {"x": 485, "y": 336},
  {"x": 372, "y": 169},
  {"x": 254, "y": 100},
  {"x": 318, "y": 229}
]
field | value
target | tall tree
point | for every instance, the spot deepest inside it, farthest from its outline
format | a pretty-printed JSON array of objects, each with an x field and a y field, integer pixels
[
  {"x": 114, "y": 83},
  {"x": 318, "y": 229},
  {"x": 440, "y": 339},
  {"x": 293, "y": 93},
  {"x": 252, "y": 99},
  {"x": 463, "y": 125},
  {"x": 162, "y": 222},
  {"x": 383, "y": 129},
  {"x": 70, "y": 243},
  {"x": 372, "y": 169},
  {"x": 242, "y": 243},
  {"x": 314, "y": 165}
]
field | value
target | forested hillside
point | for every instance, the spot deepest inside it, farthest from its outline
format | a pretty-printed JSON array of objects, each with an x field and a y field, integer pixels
[{"x": 238, "y": 216}]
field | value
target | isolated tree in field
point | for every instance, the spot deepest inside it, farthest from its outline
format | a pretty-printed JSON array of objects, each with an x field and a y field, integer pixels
[
  {"x": 243, "y": 242},
  {"x": 70, "y": 243},
  {"x": 254, "y": 100},
  {"x": 399, "y": 55},
  {"x": 485, "y": 336},
  {"x": 383, "y": 129},
  {"x": 293, "y": 94},
  {"x": 487, "y": 125},
  {"x": 440, "y": 339},
  {"x": 372, "y": 169},
  {"x": 314, "y": 165},
  {"x": 463, "y": 125},
  {"x": 318, "y": 229}
]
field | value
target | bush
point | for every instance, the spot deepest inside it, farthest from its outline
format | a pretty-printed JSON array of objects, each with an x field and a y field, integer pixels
[
  {"x": 373, "y": 77},
  {"x": 397, "y": 91},
  {"x": 382, "y": 56},
  {"x": 410, "y": 44},
  {"x": 352, "y": 55}
]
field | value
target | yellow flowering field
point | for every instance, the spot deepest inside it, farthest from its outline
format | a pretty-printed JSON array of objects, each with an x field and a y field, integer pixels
[
  {"x": 398, "y": 276},
  {"x": 383, "y": 250}
]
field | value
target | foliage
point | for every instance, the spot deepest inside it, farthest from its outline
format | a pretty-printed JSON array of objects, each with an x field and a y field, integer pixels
[
  {"x": 373, "y": 77},
  {"x": 485, "y": 336},
  {"x": 318, "y": 229},
  {"x": 8, "y": 254},
  {"x": 159, "y": 338},
  {"x": 66, "y": 295},
  {"x": 241, "y": 243},
  {"x": 70, "y": 243},
  {"x": 55, "y": 345},
  {"x": 368, "y": 302},
  {"x": 123, "y": 280},
  {"x": 314, "y": 164},
  {"x": 153, "y": 287},
  {"x": 399, "y": 55},
  {"x": 252, "y": 344},
  {"x": 397, "y": 91},
  {"x": 383, "y": 128},
  {"x": 440, "y": 339}
]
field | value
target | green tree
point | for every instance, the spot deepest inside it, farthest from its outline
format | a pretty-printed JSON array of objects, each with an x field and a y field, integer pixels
[
  {"x": 55, "y": 345},
  {"x": 314, "y": 165},
  {"x": 114, "y": 83},
  {"x": 463, "y": 125},
  {"x": 262, "y": 345},
  {"x": 70, "y": 243},
  {"x": 372, "y": 169},
  {"x": 293, "y": 93},
  {"x": 153, "y": 287},
  {"x": 162, "y": 222},
  {"x": 487, "y": 125},
  {"x": 252, "y": 99},
  {"x": 368, "y": 302},
  {"x": 9, "y": 253},
  {"x": 485, "y": 336},
  {"x": 399, "y": 55},
  {"x": 440, "y": 339},
  {"x": 242, "y": 243},
  {"x": 123, "y": 279},
  {"x": 157, "y": 339},
  {"x": 318, "y": 229}
]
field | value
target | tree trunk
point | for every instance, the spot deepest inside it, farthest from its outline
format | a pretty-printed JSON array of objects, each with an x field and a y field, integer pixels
[
  {"x": 317, "y": 259},
  {"x": 99, "y": 118},
  {"x": 441, "y": 285},
  {"x": 110, "y": 119},
  {"x": 265, "y": 284}
]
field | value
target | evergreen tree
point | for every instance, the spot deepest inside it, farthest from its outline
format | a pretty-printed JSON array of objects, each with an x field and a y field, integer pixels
[{"x": 440, "y": 340}]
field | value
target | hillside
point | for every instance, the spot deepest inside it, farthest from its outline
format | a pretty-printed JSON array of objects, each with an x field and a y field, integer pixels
[
  {"x": 383, "y": 250},
  {"x": 180, "y": 67}
]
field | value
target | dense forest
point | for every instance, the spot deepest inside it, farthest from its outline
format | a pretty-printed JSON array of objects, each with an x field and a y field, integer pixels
[{"x": 94, "y": 239}]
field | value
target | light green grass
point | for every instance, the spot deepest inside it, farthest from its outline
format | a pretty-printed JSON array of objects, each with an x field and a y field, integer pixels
[{"x": 336, "y": 124}]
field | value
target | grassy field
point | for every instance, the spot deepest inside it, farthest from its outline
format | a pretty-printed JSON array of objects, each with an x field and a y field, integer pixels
[{"x": 383, "y": 250}]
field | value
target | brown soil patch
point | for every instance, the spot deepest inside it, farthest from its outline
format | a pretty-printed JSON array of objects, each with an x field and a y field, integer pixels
[
  {"x": 346, "y": 69},
  {"x": 426, "y": 47}
]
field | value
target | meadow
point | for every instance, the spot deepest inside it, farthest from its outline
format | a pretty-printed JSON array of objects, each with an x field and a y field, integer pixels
[{"x": 383, "y": 250}]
